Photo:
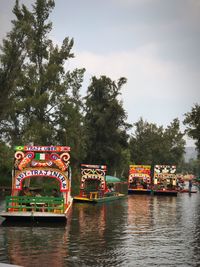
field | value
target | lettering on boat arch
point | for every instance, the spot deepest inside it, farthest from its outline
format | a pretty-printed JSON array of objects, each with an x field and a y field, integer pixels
[
  {"x": 43, "y": 148},
  {"x": 93, "y": 172},
  {"x": 51, "y": 173}
]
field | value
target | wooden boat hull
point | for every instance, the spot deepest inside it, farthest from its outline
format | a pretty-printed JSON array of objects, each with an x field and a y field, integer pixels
[
  {"x": 139, "y": 191},
  {"x": 98, "y": 200},
  {"x": 165, "y": 192},
  {"x": 33, "y": 216},
  {"x": 36, "y": 216}
]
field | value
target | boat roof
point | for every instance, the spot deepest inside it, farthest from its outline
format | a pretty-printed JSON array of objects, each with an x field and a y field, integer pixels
[{"x": 112, "y": 179}]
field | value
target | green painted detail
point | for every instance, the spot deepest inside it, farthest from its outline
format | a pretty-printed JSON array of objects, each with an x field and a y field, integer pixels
[
  {"x": 99, "y": 200},
  {"x": 109, "y": 198},
  {"x": 41, "y": 156},
  {"x": 26, "y": 203},
  {"x": 19, "y": 148}
]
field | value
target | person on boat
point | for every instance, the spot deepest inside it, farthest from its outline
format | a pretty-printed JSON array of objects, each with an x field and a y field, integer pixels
[
  {"x": 107, "y": 190},
  {"x": 144, "y": 184},
  {"x": 190, "y": 185},
  {"x": 55, "y": 193},
  {"x": 112, "y": 188},
  {"x": 26, "y": 192}
]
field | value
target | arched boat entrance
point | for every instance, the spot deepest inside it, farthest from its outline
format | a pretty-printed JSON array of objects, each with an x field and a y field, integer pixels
[{"x": 40, "y": 162}]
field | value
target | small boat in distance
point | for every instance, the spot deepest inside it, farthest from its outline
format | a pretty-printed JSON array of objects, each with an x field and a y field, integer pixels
[
  {"x": 187, "y": 188},
  {"x": 46, "y": 165},
  {"x": 165, "y": 180},
  {"x": 139, "y": 180},
  {"x": 93, "y": 187}
]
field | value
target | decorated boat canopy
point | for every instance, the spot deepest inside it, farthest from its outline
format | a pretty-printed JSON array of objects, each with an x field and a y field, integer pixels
[
  {"x": 41, "y": 161},
  {"x": 165, "y": 172},
  {"x": 140, "y": 171},
  {"x": 93, "y": 172}
]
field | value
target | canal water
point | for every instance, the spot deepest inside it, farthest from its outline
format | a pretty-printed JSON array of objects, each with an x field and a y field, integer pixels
[{"x": 136, "y": 231}]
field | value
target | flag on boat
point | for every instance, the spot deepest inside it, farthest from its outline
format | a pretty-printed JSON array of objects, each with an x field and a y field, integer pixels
[{"x": 41, "y": 156}]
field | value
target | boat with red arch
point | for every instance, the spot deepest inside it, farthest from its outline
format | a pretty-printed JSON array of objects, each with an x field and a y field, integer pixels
[
  {"x": 41, "y": 164},
  {"x": 93, "y": 186},
  {"x": 139, "y": 180}
]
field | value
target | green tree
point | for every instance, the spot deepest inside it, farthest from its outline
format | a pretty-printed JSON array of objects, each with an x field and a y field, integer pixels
[
  {"x": 105, "y": 124},
  {"x": 40, "y": 101},
  {"x": 146, "y": 143},
  {"x": 191, "y": 167},
  {"x": 174, "y": 143},
  {"x": 192, "y": 121},
  {"x": 6, "y": 161},
  {"x": 151, "y": 144},
  {"x": 42, "y": 86},
  {"x": 11, "y": 63},
  {"x": 70, "y": 121}
]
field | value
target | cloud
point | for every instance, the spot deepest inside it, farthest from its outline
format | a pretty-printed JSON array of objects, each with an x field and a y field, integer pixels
[
  {"x": 157, "y": 90},
  {"x": 128, "y": 3},
  {"x": 140, "y": 65}
]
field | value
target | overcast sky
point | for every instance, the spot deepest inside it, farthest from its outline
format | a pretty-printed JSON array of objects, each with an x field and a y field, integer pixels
[{"x": 153, "y": 43}]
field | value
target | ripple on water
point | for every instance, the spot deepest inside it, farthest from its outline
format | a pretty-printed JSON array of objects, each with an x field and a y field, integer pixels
[{"x": 139, "y": 231}]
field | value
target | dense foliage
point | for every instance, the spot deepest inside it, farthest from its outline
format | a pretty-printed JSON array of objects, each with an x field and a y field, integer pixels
[
  {"x": 192, "y": 166},
  {"x": 105, "y": 123},
  {"x": 40, "y": 100},
  {"x": 192, "y": 120},
  {"x": 151, "y": 144}
]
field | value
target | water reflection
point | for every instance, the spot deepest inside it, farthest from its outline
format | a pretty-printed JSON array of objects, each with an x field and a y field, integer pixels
[
  {"x": 139, "y": 214},
  {"x": 137, "y": 231},
  {"x": 159, "y": 233},
  {"x": 34, "y": 246},
  {"x": 96, "y": 233}
]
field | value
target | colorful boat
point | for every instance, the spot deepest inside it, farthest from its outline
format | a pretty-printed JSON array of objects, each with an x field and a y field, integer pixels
[
  {"x": 93, "y": 188},
  {"x": 165, "y": 181},
  {"x": 139, "y": 180},
  {"x": 35, "y": 165}
]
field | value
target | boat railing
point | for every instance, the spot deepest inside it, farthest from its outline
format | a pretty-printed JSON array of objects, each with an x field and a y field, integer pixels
[
  {"x": 110, "y": 194},
  {"x": 36, "y": 204}
]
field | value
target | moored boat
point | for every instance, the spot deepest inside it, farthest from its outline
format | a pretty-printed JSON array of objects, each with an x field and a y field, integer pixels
[
  {"x": 93, "y": 188},
  {"x": 40, "y": 164},
  {"x": 165, "y": 181},
  {"x": 139, "y": 180}
]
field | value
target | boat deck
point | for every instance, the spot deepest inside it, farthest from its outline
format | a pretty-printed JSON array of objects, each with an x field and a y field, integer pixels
[
  {"x": 139, "y": 191},
  {"x": 98, "y": 200},
  {"x": 33, "y": 216},
  {"x": 165, "y": 192}
]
